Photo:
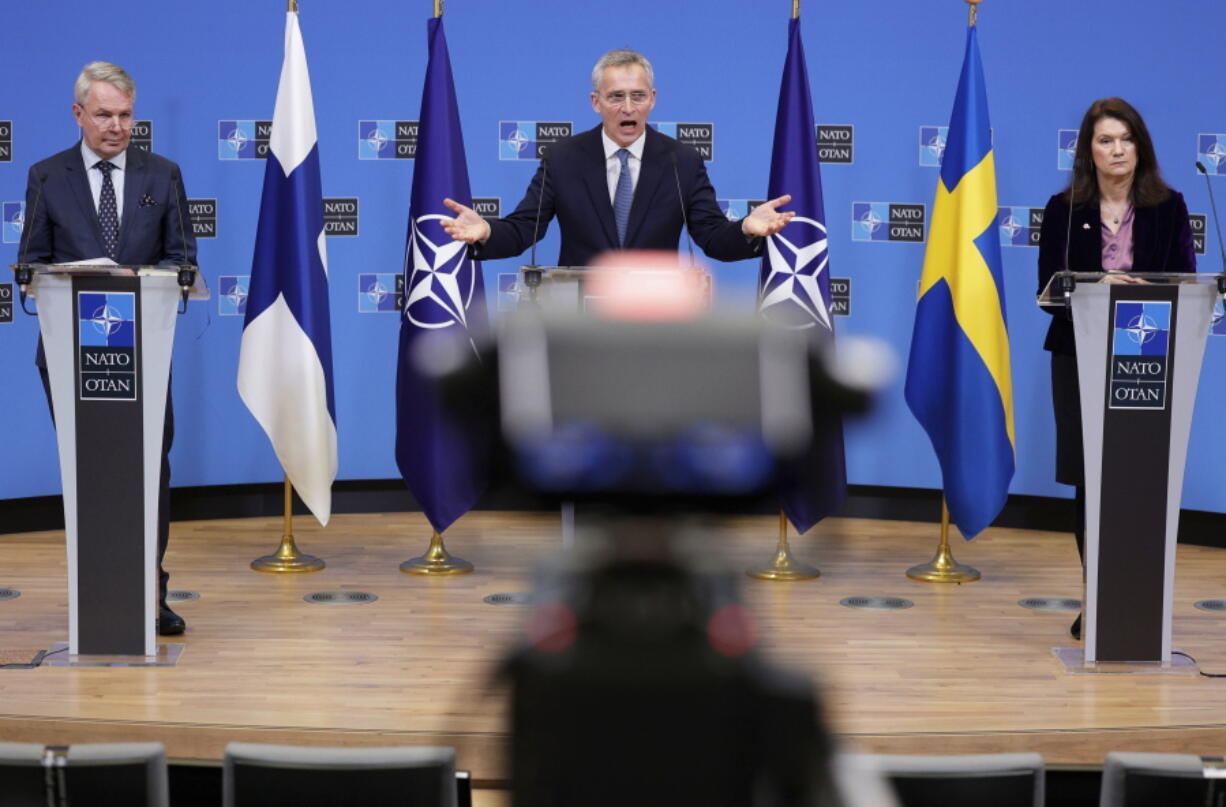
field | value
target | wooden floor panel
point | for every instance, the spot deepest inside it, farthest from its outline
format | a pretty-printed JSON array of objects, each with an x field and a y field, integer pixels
[{"x": 965, "y": 670}]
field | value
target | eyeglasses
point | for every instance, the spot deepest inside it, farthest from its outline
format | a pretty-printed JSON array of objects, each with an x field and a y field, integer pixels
[{"x": 636, "y": 98}]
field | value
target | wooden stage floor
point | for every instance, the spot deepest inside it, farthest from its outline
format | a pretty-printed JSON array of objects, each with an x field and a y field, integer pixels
[{"x": 965, "y": 670}]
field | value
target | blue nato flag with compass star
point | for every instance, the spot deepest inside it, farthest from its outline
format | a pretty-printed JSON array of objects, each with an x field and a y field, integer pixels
[
  {"x": 444, "y": 297},
  {"x": 794, "y": 284}
]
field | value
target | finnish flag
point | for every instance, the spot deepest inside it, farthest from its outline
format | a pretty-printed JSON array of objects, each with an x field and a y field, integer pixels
[{"x": 285, "y": 361}]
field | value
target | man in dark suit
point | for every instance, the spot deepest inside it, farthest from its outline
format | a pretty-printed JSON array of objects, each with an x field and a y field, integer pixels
[
  {"x": 100, "y": 199},
  {"x": 616, "y": 187}
]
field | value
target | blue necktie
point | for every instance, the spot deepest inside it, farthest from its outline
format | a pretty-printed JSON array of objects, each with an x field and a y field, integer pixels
[
  {"x": 622, "y": 197},
  {"x": 108, "y": 215}
]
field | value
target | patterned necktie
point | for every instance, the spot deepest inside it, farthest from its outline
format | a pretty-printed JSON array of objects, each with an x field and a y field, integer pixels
[
  {"x": 623, "y": 196},
  {"x": 108, "y": 215}
]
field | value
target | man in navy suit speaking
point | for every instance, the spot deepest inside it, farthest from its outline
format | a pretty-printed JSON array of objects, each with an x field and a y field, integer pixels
[
  {"x": 616, "y": 187},
  {"x": 101, "y": 199}
]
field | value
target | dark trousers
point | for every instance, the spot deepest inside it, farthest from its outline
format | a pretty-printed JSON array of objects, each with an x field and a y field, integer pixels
[{"x": 168, "y": 436}]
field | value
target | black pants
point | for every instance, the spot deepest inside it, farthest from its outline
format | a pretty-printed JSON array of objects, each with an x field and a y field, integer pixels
[{"x": 168, "y": 436}]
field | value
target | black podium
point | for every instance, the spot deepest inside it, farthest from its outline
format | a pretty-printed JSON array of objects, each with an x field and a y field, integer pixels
[
  {"x": 108, "y": 332},
  {"x": 1139, "y": 353}
]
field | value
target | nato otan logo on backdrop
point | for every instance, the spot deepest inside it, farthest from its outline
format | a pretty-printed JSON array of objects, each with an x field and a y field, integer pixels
[
  {"x": 1197, "y": 220},
  {"x": 509, "y": 288},
  {"x": 341, "y": 216},
  {"x": 527, "y": 139},
  {"x": 1020, "y": 226},
  {"x": 932, "y": 145},
  {"x": 699, "y": 135},
  {"x": 737, "y": 209},
  {"x": 488, "y": 207},
  {"x": 203, "y": 215},
  {"x": 1066, "y": 148},
  {"x": 887, "y": 221},
  {"x": 387, "y": 139},
  {"x": 840, "y": 296},
  {"x": 836, "y": 143},
  {"x": 1211, "y": 151},
  {"x": 142, "y": 135},
  {"x": 381, "y": 293},
  {"x": 106, "y": 339},
  {"x": 1217, "y": 326},
  {"x": 1139, "y": 350},
  {"x": 243, "y": 139},
  {"x": 13, "y": 219},
  {"x": 232, "y": 295},
  {"x": 6, "y": 303},
  {"x": 6, "y": 141}
]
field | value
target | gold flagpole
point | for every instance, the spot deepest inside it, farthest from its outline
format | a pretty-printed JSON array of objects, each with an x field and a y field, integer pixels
[
  {"x": 293, "y": 6},
  {"x": 287, "y": 558},
  {"x": 973, "y": 12},
  {"x": 943, "y": 568},
  {"x": 795, "y": 9},
  {"x": 438, "y": 8},
  {"x": 784, "y": 566}
]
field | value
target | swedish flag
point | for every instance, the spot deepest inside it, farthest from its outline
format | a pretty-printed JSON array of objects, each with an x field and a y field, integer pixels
[{"x": 958, "y": 378}]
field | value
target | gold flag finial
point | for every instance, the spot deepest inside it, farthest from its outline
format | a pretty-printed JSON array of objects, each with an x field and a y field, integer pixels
[
  {"x": 438, "y": 8},
  {"x": 293, "y": 6},
  {"x": 974, "y": 12},
  {"x": 795, "y": 9}
]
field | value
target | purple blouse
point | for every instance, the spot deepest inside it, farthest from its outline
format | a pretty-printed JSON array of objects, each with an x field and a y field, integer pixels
[{"x": 1117, "y": 246}]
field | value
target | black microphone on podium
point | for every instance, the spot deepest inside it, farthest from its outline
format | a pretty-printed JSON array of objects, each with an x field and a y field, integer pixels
[
  {"x": 1217, "y": 224},
  {"x": 1067, "y": 284},
  {"x": 22, "y": 272},
  {"x": 689, "y": 242},
  {"x": 532, "y": 272},
  {"x": 187, "y": 273}
]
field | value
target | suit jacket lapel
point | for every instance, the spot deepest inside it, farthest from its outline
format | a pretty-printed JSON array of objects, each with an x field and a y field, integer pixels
[
  {"x": 1086, "y": 253},
  {"x": 595, "y": 177},
  {"x": 74, "y": 171},
  {"x": 135, "y": 182},
  {"x": 1144, "y": 257},
  {"x": 651, "y": 172}
]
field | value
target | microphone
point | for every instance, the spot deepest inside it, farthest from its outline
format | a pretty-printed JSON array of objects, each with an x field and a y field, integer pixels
[
  {"x": 1217, "y": 224},
  {"x": 1068, "y": 283},
  {"x": 22, "y": 272},
  {"x": 532, "y": 272},
  {"x": 689, "y": 242},
  {"x": 187, "y": 272},
  {"x": 540, "y": 202}
]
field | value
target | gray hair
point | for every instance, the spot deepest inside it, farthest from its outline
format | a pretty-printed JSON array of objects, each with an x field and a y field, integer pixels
[
  {"x": 112, "y": 74},
  {"x": 622, "y": 58}
]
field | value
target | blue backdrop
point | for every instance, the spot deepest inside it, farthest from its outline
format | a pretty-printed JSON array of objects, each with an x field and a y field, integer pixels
[{"x": 886, "y": 69}]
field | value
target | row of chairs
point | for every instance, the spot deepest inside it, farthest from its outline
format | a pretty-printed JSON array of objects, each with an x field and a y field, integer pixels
[
  {"x": 254, "y": 775},
  {"x": 133, "y": 774},
  {"x": 1018, "y": 780}
]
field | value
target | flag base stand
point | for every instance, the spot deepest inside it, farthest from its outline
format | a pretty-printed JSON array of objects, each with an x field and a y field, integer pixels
[
  {"x": 784, "y": 566},
  {"x": 287, "y": 559},
  {"x": 436, "y": 561},
  {"x": 943, "y": 568}
]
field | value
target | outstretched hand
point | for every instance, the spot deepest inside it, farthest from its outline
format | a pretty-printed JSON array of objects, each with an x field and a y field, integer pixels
[
  {"x": 467, "y": 226},
  {"x": 766, "y": 219}
]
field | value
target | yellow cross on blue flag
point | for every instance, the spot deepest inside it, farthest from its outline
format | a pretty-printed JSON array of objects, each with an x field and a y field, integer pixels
[{"x": 958, "y": 380}]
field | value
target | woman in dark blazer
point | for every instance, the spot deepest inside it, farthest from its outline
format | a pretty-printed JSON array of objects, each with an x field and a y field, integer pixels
[{"x": 1124, "y": 219}]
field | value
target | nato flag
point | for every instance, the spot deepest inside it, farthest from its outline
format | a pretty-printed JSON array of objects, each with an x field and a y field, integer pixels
[
  {"x": 444, "y": 294},
  {"x": 794, "y": 285}
]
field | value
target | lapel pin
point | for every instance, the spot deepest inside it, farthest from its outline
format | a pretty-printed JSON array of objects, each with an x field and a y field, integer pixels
[{"x": 1085, "y": 226}]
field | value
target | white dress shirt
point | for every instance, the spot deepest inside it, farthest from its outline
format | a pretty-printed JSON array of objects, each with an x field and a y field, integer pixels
[
  {"x": 613, "y": 165},
  {"x": 120, "y": 161}
]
